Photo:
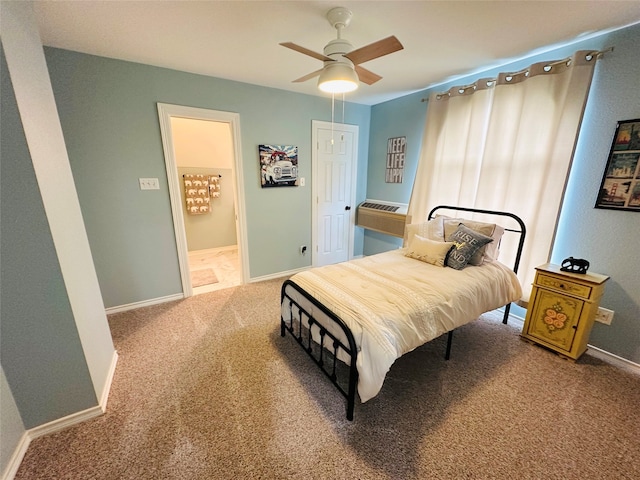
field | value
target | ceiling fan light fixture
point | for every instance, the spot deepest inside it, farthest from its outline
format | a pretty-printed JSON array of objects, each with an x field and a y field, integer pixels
[{"x": 338, "y": 78}]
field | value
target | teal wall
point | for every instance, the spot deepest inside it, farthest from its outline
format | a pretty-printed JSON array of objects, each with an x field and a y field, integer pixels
[
  {"x": 602, "y": 236},
  {"x": 40, "y": 350},
  {"x": 109, "y": 118},
  {"x": 403, "y": 117},
  {"x": 607, "y": 238}
]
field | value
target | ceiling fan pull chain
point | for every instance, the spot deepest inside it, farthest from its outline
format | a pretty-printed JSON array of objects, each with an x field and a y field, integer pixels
[{"x": 333, "y": 101}]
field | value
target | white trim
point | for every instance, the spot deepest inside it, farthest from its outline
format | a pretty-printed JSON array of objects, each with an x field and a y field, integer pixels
[
  {"x": 180, "y": 296},
  {"x": 274, "y": 276},
  {"x": 59, "y": 424},
  {"x": 596, "y": 352},
  {"x": 165, "y": 112},
  {"x": 16, "y": 458},
  {"x": 354, "y": 129},
  {"x": 65, "y": 422},
  {"x": 207, "y": 251},
  {"x": 107, "y": 384},
  {"x": 613, "y": 359},
  {"x": 174, "y": 192},
  {"x": 144, "y": 303}
]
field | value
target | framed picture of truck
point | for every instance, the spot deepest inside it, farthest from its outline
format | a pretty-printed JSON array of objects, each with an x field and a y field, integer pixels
[{"x": 278, "y": 165}]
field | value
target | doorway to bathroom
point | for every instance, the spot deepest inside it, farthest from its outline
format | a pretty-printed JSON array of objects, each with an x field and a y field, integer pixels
[{"x": 203, "y": 163}]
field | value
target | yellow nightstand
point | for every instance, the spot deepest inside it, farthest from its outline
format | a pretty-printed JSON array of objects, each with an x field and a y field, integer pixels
[{"x": 562, "y": 309}]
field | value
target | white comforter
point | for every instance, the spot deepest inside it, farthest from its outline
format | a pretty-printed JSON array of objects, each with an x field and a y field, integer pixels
[{"x": 393, "y": 304}]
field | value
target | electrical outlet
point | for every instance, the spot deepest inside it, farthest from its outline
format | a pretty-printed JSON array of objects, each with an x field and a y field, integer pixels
[
  {"x": 604, "y": 315},
  {"x": 303, "y": 249}
]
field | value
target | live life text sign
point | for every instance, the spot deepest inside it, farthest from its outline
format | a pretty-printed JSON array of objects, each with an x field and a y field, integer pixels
[{"x": 396, "y": 149}]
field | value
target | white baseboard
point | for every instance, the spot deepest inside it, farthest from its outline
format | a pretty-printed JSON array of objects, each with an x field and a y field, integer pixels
[
  {"x": 16, "y": 459},
  {"x": 180, "y": 296},
  {"x": 59, "y": 424},
  {"x": 613, "y": 359},
  {"x": 64, "y": 422},
  {"x": 104, "y": 398},
  {"x": 277, "y": 275},
  {"x": 596, "y": 352},
  {"x": 144, "y": 303},
  {"x": 207, "y": 251}
]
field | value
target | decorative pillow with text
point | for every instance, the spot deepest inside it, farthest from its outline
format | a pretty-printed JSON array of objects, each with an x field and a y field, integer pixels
[
  {"x": 466, "y": 243},
  {"x": 488, "y": 252}
]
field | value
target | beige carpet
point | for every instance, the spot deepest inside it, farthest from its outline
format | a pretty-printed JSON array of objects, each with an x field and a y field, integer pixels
[
  {"x": 205, "y": 276},
  {"x": 206, "y": 388}
]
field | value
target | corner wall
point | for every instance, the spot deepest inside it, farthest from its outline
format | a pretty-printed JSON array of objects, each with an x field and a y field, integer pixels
[
  {"x": 604, "y": 237},
  {"x": 56, "y": 349}
]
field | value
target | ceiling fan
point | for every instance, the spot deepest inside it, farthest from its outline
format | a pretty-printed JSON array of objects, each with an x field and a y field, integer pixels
[{"x": 342, "y": 71}]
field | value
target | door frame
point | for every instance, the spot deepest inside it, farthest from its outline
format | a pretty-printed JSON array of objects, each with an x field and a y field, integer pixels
[
  {"x": 315, "y": 188},
  {"x": 165, "y": 112}
]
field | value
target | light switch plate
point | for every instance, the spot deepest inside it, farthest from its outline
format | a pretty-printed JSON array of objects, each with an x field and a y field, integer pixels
[{"x": 149, "y": 184}]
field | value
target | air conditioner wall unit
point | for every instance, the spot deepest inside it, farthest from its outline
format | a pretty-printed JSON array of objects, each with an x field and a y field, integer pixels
[{"x": 382, "y": 216}]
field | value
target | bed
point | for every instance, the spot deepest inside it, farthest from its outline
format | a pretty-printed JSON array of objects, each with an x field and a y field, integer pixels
[{"x": 355, "y": 318}]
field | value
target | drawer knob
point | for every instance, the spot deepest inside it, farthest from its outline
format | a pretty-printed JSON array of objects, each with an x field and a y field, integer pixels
[{"x": 562, "y": 285}]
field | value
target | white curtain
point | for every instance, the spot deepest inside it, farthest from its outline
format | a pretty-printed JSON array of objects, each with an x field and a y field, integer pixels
[{"x": 506, "y": 144}]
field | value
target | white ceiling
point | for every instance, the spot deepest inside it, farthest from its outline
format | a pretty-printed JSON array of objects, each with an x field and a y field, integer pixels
[{"x": 238, "y": 40}]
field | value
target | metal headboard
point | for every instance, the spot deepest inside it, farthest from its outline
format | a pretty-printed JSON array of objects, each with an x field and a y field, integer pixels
[{"x": 522, "y": 232}]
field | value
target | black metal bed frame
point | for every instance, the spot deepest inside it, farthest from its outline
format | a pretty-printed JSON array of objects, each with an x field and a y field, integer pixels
[{"x": 326, "y": 351}]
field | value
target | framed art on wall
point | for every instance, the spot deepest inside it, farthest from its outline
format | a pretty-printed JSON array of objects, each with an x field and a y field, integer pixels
[
  {"x": 278, "y": 165},
  {"x": 396, "y": 151},
  {"x": 620, "y": 186}
]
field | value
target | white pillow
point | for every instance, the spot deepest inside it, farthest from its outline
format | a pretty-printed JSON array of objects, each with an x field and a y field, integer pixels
[
  {"x": 433, "y": 230},
  {"x": 428, "y": 251}
]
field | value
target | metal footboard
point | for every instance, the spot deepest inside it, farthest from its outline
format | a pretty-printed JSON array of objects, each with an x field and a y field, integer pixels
[
  {"x": 325, "y": 348},
  {"x": 309, "y": 332}
]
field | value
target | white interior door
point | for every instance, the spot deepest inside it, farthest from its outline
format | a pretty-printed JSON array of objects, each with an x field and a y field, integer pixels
[{"x": 334, "y": 172}]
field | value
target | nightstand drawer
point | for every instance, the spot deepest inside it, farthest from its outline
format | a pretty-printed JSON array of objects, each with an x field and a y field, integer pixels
[{"x": 562, "y": 285}]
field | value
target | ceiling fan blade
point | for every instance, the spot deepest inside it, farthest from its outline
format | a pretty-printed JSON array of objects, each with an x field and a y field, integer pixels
[
  {"x": 306, "y": 51},
  {"x": 309, "y": 76},
  {"x": 374, "y": 50},
  {"x": 367, "y": 76}
]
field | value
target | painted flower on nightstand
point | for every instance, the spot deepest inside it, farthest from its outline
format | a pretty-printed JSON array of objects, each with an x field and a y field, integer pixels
[{"x": 554, "y": 318}]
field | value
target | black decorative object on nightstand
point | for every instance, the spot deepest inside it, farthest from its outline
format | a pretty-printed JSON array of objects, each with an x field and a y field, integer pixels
[{"x": 574, "y": 265}]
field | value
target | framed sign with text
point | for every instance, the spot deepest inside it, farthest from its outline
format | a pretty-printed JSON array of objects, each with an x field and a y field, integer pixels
[{"x": 396, "y": 150}]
